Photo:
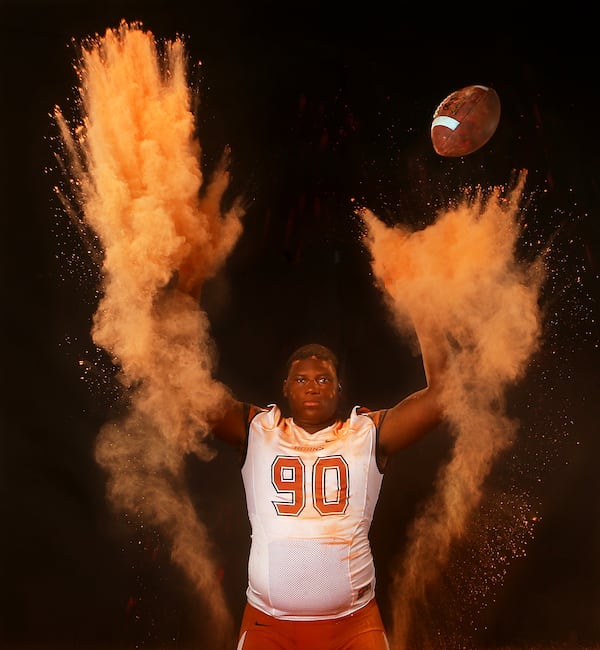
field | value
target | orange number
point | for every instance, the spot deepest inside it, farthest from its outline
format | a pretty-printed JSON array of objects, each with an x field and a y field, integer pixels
[
  {"x": 287, "y": 475},
  {"x": 330, "y": 485},
  {"x": 325, "y": 470}
]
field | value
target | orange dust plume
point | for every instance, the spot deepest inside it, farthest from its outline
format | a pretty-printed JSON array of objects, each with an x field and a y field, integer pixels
[
  {"x": 463, "y": 275},
  {"x": 133, "y": 162}
]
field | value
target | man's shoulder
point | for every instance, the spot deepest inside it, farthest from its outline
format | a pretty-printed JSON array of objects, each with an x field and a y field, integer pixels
[
  {"x": 265, "y": 415},
  {"x": 376, "y": 416}
]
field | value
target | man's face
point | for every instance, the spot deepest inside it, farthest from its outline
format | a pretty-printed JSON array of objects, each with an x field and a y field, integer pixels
[{"x": 312, "y": 391}]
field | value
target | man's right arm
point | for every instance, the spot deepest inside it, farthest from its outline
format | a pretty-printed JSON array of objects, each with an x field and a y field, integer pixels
[{"x": 231, "y": 425}]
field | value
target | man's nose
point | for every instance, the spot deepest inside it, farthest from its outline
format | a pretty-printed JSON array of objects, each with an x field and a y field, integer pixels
[{"x": 313, "y": 385}]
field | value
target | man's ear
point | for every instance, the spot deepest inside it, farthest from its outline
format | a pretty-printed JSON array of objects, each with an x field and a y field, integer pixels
[{"x": 284, "y": 388}]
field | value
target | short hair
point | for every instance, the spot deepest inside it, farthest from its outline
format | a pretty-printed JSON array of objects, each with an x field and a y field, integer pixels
[{"x": 313, "y": 350}]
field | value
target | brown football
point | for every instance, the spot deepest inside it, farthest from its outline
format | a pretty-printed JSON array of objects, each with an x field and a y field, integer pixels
[{"x": 465, "y": 121}]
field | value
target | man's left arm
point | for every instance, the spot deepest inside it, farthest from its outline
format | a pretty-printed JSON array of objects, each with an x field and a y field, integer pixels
[{"x": 418, "y": 413}]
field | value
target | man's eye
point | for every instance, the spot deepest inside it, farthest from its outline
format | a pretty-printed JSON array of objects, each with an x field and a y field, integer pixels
[{"x": 323, "y": 380}]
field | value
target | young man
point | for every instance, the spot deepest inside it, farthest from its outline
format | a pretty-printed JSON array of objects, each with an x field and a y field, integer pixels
[{"x": 312, "y": 481}]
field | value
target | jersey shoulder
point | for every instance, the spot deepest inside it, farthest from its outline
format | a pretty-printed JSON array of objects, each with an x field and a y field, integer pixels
[{"x": 377, "y": 416}]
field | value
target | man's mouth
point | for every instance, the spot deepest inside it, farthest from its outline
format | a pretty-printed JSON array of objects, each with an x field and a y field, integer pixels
[{"x": 312, "y": 402}]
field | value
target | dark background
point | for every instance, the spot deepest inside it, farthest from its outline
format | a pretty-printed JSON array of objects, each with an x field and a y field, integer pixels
[{"x": 322, "y": 105}]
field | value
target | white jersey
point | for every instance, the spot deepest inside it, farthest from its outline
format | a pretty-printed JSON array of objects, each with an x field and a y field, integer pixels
[{"x": 310, "y": 500}]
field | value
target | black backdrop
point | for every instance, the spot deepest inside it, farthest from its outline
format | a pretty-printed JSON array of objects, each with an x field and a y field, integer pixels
[{"x": 320, "y": 105}]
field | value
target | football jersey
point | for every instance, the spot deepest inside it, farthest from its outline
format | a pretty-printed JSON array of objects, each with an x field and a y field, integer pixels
[{"x": 310, "y": 500}]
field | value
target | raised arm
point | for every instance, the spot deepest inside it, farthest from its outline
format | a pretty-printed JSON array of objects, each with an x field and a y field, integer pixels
[
  {"x": 420, "y": 412},
  {"x": 230, "y": 425}
]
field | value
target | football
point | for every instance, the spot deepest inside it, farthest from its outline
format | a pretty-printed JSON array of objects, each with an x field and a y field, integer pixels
[{"x": 465, "y": 121}]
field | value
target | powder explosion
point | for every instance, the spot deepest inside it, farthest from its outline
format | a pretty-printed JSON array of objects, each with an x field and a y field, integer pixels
[
  {"x": 134, "y": 167},
  {"x": 462, "y": 274}
]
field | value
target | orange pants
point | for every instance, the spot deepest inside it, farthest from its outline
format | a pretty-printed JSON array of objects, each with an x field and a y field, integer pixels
[{"x": 362, "y": 630}]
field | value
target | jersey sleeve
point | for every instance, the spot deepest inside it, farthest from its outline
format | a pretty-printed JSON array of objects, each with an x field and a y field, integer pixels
[{"x": 250, "y": 412}]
